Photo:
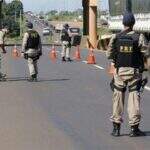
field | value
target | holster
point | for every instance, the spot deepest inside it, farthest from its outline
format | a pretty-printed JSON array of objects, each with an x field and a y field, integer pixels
[
  {"x": 113, "y": 86},
  {"x": 34, "y": 58}
]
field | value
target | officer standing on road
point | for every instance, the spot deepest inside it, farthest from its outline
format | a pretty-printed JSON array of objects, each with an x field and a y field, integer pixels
[
  {"x": 3, "y": 32},
  {"x": 66, "y": 43},
  {"x": 32, "y": 50},
  {"x": 126, "y": 52}
]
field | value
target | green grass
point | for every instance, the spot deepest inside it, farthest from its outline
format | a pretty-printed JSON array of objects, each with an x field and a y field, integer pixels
[
  {"x": 13, "y": 40},
  {"x": 103, "y": 31}
]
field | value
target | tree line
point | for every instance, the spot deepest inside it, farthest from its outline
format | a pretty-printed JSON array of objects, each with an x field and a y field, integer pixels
[
  {"x": 12, "y": 14},
  {"x": 61, "y": 15}
]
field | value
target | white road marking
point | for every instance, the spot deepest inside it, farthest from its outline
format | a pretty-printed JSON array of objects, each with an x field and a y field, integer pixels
[
  {"x": 97, "y": 66},
  {"x": 84, "y": 62}
]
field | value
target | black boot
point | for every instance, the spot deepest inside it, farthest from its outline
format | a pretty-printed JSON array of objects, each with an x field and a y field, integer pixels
[
  {"x": 33, "y": 78},
  {"x": 135, "y": 131},
  {"x": 116, "y": 129},
  {"x": 68, "y": 59},
  {"x": 2, "y": 77},
  {"x": 63, "y": 59}
]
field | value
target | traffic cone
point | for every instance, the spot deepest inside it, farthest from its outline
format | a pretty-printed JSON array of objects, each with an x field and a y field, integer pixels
[
  {"x": 91, "y": 57},
  {"x": 15, "y": 52},
  {"x": 77, "y": 54},
  {"x": 53, "y": 54}
]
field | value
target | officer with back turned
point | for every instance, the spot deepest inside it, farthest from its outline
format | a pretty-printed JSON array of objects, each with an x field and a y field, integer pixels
[
  {"x": 32, "y": 50},
  {"x": 126, "y": 53},
  {"x": 66, "y": 43},
  {"x": 3, "y": 32}
]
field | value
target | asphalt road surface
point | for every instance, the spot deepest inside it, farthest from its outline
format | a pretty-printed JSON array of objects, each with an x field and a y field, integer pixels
[{"x": 67, "y": 109}]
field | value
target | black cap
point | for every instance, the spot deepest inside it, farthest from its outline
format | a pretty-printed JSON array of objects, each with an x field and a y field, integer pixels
[
  {"x": 29, "y": 25},
  {"x": 128, "y": 19},
  {"x": 66, "y": 25}
]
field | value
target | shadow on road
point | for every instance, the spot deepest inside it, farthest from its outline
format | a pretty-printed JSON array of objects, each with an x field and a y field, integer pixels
[
  {"x": 45, "y": 80},
  {"x": 15, "y": 79},
  {"x": 147, "y": 133}
]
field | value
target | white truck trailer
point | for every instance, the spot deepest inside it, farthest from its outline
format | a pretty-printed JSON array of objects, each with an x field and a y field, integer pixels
[{"x": 141, "y": 10}]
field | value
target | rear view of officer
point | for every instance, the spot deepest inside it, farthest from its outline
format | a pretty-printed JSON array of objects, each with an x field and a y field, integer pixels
[
  {"x": 125, "y": 50},
  {"x": 32, "y": 50},
  {"x": 66, "y": 43},
  {"x": 3, "y": 32}
]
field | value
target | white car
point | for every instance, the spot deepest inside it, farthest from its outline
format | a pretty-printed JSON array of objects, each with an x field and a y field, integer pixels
[{"x": 47, "y": 31}]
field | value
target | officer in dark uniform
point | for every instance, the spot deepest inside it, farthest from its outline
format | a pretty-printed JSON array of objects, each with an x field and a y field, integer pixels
[
  {"x": 66, "y": 43},
  {"x": 32, "y": 50},
  {"x": 126, "y": 53}
]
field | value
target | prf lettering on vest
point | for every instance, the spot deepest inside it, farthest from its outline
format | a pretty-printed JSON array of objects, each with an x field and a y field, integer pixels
[{"x": 126, "y": 49}]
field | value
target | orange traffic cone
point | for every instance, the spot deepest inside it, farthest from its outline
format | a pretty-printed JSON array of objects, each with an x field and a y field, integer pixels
[
  {"x": 91, "y": 57},
  {"x": 77, "y": 53},
  {"x": 15, "y": 52},
  {"x": 53, "y": 54}
]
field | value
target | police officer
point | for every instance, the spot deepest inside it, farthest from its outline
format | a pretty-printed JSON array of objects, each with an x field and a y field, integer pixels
[
  {"x": 32, "y": 50},
  {"x": 125, "y": 52},
  {"x": 3, "y": 32},
  {"x": 66, "y": 43}
]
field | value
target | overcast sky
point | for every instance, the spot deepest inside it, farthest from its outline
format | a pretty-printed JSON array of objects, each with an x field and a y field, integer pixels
[{"x": 46, "y": 5}]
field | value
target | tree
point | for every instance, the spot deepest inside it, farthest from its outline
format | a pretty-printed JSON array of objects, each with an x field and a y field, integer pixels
[{"x": 11, "y": 16}]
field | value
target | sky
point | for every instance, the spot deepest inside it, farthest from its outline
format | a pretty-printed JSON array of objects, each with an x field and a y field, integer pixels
[{"x": 47, "y": 5}]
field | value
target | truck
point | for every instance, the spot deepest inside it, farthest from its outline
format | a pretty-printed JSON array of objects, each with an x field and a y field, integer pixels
[{"x": 141, "y": 10}]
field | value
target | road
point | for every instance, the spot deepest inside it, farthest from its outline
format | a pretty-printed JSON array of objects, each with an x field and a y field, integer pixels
[{"x": 67, "y": 109}]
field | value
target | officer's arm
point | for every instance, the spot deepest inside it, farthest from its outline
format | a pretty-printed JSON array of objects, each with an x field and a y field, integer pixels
[
  {"x": 40, "y": 46},
  {"x": 24, "y": 43},
  {"x": 109, "y": 52},
  {"x": 143, "y": 43}
]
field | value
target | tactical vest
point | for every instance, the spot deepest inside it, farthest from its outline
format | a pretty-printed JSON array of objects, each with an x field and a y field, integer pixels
[
  {"x": 65, "y": 36},
  {"x": 33, "y": 40},
  {"x": 128, "y": 53}
]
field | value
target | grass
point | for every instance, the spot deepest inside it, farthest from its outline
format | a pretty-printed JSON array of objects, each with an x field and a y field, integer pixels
[
  {"x": 14, "y": 40},
  {"x": 103, "y": 31}
]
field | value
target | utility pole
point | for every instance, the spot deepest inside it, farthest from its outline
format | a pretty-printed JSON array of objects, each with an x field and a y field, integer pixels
[
  {"x": 90, "y": 21},
  {"x": 20, "y": 23},
  {"x": 129, "y": 5},
  {"x": 93, "y": 23},
  {"x": 1, "y": 1},
  {"x": 85, "y": 4}
]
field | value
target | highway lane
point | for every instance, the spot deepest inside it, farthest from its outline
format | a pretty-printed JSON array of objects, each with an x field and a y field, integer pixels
[{"x": 68, "y": 109}]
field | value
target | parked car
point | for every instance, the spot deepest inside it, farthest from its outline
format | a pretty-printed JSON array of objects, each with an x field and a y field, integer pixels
[{"x": 47, "y": 31}]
